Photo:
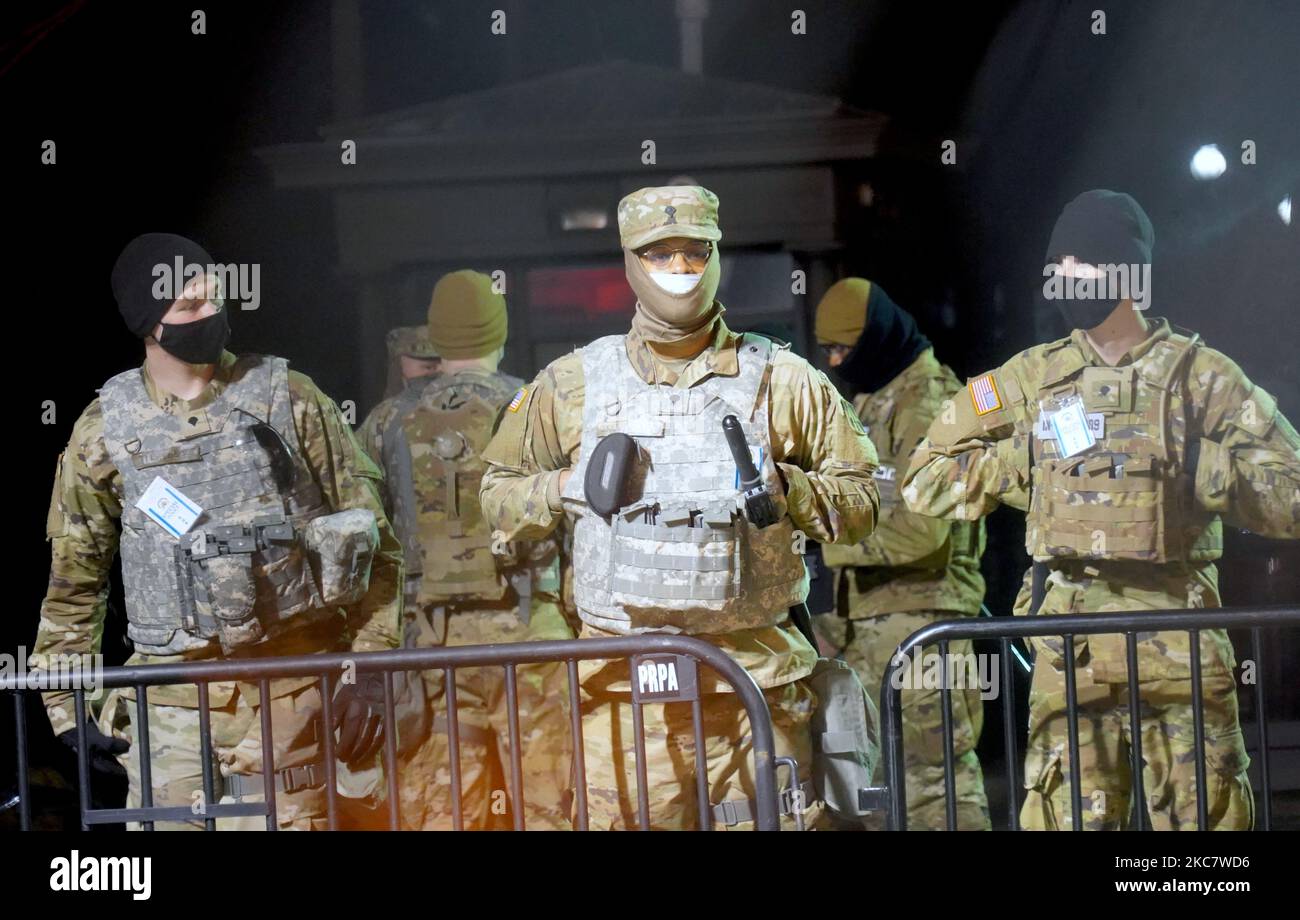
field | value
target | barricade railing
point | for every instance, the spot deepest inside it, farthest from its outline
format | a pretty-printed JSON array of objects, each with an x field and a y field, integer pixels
[
  {"x": 1007, "y": 629},
  {"x": 329, "y": 668}
]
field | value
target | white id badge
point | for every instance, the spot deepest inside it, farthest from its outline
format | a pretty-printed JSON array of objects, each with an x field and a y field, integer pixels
[
  {"x": 1070, "y": 425},
  {"x": 169, "y": 507}
]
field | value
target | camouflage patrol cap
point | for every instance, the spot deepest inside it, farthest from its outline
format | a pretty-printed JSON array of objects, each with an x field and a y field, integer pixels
[
  {"x": 652, "y": 214},
  {"x": 412, "y": 341}
]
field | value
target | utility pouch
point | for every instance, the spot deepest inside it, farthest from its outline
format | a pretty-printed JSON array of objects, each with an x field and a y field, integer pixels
[
  {"x": 846, "y": 737},
  {"x": 341, "y": 548}
]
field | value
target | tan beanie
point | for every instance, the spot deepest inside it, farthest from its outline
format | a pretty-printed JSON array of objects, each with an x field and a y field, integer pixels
[
  {"x": 842, "y": 313},
  {"x": 467, "y": 319}
]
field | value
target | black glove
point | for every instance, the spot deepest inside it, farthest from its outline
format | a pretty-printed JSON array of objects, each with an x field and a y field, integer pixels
[
  {"x": 102, "y": 749},
  {"x": 359, "y": 718}
]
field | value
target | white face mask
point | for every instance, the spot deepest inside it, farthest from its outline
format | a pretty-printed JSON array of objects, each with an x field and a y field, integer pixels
[{"x": 675, "y": 284}]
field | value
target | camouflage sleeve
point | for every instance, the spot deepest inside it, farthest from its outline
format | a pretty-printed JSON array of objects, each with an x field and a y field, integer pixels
[
  {"x": 824, "y": 455},
  {"x": 371, "y": 438},
  {"x": 975, "y": 455},
  {"x": 83, "y": 535},
  {"x": 1248, "y": 468},
  {"x": 535, "y": 440},
  {"x": 370, "y": 435},
  {"x": 348, "y": 478},
  {"x": 901, "y": 537}
]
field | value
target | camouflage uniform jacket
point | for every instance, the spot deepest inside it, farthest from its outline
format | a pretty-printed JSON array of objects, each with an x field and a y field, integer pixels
[
  {"x": 1248, "y": 472},
  {"x": 826, "y": 460},
  {"x": 83, "y": 531},
  {"x": 911, "y": 562}
]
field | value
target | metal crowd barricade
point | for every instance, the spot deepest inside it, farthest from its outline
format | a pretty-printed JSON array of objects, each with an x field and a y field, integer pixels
[
  {"x": 1007, "y": 629},
  {"x": 326, "y": 667}
]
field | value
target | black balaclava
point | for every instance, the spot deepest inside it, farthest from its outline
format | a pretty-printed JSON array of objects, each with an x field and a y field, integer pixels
[
  {"x": 134, "y": 282},
  {"x": 1099, "y": 227},
  {"x": 889, "y": 343}
]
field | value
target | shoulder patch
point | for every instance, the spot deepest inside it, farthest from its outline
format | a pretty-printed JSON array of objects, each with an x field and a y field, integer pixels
[
  {"x": 520, "y": 397},
  {"x": 984, "y": 395}
]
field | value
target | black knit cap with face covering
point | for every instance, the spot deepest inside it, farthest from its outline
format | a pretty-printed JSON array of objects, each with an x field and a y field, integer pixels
[
  {"x": 1101, "y": 227},
  {"x": 134, "y": 277}
]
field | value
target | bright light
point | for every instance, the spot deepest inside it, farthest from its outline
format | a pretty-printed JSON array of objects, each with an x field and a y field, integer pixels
[
  {"x": 1208, "y": 162},
  {"x": 1284, "y": 210}
]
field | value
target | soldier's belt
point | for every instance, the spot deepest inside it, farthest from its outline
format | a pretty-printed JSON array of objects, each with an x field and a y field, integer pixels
[
  {"x": 287, "y": 781},
  {"x": 741, "y": 811}
]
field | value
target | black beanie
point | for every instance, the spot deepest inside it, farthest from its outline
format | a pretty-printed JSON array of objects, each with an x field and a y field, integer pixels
[
  {"x": 134, "y": 280},
  {"x": 1102, "y": 227}
]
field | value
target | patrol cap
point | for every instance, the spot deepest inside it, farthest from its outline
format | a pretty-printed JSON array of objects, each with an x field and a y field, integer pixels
[
  {"x": 412, "y": 341},
  {"x": 652, "y": 214}
]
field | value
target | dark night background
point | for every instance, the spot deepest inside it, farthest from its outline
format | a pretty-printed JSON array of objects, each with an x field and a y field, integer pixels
[{"x": 157, "y": 128}]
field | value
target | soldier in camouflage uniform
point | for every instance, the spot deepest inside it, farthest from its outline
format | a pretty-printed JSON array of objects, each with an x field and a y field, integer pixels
[
  {"x": 411, "y": 356},
  {"x": 458, "y": 590},
  {"x": 278, "y": 563},
  {"x": 913, "y": 570},
  {"x": 681, "y": 558},
  {"x": 1180, "y": 439}
]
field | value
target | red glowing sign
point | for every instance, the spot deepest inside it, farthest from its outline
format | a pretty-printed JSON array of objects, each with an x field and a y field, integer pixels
[{"x": 580, "y": 293}]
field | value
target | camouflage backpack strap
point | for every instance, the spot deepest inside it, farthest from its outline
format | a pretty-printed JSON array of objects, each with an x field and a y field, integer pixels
[{"x": 396, "y": 459}]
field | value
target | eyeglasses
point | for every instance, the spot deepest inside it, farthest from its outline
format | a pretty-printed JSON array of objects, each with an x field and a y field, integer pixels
[{"x": 696, "y": 253}]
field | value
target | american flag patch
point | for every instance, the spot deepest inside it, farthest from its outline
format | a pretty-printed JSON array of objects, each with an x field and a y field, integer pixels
[
  {"x": 984, "y": 395},
  {"x": 518, "y": 400}
]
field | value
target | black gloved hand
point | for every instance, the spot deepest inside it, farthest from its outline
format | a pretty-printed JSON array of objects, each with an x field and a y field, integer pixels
[
  {"x": 359, "y": 718},
  {"x": 102, "y": 749}
]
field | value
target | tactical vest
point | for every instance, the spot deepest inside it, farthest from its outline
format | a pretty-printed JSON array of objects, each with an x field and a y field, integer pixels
[
  {"x": 432, "y": 455},
  {"x": 241, "y": 570},
  {"x": 680, "y": 557},
  {"x": 1130, "y": 495}
]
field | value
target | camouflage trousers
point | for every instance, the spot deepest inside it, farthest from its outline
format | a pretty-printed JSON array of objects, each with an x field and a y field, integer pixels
[
  {"x": 868, "y": 645},
  {"x": 484, "y": 717},
  {"x": 609, "y": 745},
  {"x": 176, "y": 760},
  {"x": 1168, "y": 755}
]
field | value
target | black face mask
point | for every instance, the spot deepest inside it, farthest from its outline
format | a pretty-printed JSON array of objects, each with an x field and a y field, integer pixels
[
  {"x": 1083, "y": 313},
  {"x": 199, "y": 342}
]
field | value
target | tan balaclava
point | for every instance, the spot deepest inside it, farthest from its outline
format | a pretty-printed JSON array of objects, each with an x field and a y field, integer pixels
[
  {"x": 671, "y": 308},
  {"x": 467, "y": 318}
]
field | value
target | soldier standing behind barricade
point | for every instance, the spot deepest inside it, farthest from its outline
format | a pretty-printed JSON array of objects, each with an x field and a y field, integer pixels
[
  {"x": 913, "y": 570},
  {"x": 249, "y": 518},
  {"x": 654, "y": 565},
  {"x": 458, "y": 590},
  {"x": 1126, "y": 442}
]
